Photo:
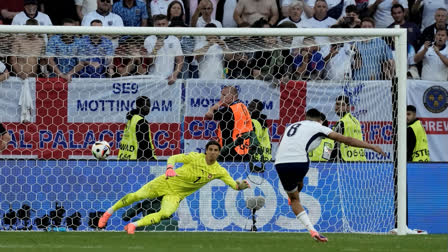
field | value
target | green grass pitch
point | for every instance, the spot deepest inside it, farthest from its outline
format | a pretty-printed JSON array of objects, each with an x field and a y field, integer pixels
[{"x": 215, "y": 242}]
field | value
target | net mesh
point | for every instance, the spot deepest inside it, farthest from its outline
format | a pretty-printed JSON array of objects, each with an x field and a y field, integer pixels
[{"x": 65, "y": 92}]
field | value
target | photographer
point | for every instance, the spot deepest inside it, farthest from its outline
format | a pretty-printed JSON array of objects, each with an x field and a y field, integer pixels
[{"x": 351, "y": 18}]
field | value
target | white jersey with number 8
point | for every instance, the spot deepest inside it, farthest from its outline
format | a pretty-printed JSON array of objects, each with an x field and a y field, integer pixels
[{"x": 298, "y": 139}]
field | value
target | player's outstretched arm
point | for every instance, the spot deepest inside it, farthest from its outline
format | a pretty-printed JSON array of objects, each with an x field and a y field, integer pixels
[
  {"x": 355, "y": 142},
  {"x": 179, "y": 158}
]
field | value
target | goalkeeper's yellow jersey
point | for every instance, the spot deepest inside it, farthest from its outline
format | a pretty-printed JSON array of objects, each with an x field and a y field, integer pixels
[{"x": 195, "y": 173}]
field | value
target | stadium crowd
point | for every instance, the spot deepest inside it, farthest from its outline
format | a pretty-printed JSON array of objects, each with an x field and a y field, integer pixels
[{"x": 215, "y": 57}]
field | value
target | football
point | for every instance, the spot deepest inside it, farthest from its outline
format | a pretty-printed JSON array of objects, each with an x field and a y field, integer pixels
[{"x": 101, "y": 150}]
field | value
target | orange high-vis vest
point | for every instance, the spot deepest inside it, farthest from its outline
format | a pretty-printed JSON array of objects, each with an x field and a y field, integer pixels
[{"x": 242, "y": 124}]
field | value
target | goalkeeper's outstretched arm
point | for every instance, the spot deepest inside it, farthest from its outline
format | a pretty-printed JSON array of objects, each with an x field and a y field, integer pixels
[{"x": 355, "y": 142}]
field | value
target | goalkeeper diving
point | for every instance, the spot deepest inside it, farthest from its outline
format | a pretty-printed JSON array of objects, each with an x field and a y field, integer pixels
[{"x": 197, "y": 170}]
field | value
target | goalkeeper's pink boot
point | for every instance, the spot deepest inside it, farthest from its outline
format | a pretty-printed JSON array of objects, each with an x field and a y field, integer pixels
[
  {"x": 103, "y": 220},
  {"x": 317, "y": 237},
  {"x": 130, "y": 228}
]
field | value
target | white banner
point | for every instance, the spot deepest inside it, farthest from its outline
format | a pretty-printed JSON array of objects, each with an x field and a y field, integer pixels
[
  {"x": 431, "y": 100},
  {"x": 108, "y": 100},
  {"x": 202, "y": 94},
  {"x": 370, "y": 100},
  {"x": 11, "y": 90}
]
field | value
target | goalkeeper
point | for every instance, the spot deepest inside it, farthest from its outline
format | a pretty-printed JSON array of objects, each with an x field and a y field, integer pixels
[{"x": 174, "y": 186}]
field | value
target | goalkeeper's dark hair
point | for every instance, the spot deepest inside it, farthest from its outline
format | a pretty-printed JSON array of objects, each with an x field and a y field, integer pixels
[
  {"x": 142, "y": 101},
  {"x": 411, "y": 108},
  {"x": 313, "y": 114},
  {"x": 212, "y": 142},
  {"x": 324, "y": 120}
]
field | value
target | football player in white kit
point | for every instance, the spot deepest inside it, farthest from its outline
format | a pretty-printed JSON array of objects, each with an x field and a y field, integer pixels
[{"x": 292, "y": 163}]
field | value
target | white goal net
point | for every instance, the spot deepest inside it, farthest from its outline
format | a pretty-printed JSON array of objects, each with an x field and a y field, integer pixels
[{"x": 70, "y": 87}]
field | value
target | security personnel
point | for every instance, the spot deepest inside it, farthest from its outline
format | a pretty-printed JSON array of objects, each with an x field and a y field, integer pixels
[
  {"x": 136, "y": 143},
  {"x": 261, "y": 131},
  {"x": 323, "y": 152},
  {"x": 234, "y": 124},
  {"x": 417, "y": 142},
  {"x": 347, "y": 125}
]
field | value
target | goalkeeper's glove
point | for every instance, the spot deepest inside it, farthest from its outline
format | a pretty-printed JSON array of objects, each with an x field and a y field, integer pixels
[
  {"x": 170, "y": 171},
  {"x": 242, "y": 185}
]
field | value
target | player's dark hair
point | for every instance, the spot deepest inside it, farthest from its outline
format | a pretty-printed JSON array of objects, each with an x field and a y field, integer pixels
[
  {"x": 343, "y": 98},
  {"x": 142, "y": 101},
  {"x": 370, "y": 20},
  {"x": 159, "y": 17},
  {"x": 210, "y": 25},
  {"x": 313, "y": 114},
  {"x": 96, "y": 21},
  {"x": 32, "y": 21},
  {"x": 68, "y": 20},
  {"x": 411, "y": 108},
  {"x": 212, "y": 142}
]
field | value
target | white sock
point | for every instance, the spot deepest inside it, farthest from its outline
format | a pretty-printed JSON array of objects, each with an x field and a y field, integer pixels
[
  {"x": 110, "y": 210},
  {"x": 303, "y": 218}
]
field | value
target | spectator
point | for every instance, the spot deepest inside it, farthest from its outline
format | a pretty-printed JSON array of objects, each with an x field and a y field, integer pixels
[
  {"x": 308, "y": 11},
  {"x": 338, "y": 60},
  {"x": 397, "y": 11},
  {"x": 4, "y": 73},
  {"x": 100, "y": 49},
  {"x": 224, "y": 12},
  {"x": 429, "y": 8},
  {"x": 166, "y": 53},
  {"x": 104, "y": 14},
  {"x": 380, "y": 10},
  {"x": 441, "y": 17},
  {"x": 175, "y": 10},
  {"x": 210, "y": 57},
  {"x": 27, "y": 48},
  {"x": 434, "y": 57},
  {"x": 237, "y": 67},
  {"x": 234, "y": 125},
  {"x": 128, "y": 58},
  {"x": 161, "y": 7},
  {"x": 83, "y": 7},
  {"x": 295, "y": 10},
  {"x": 337, "y": 8},
  {"x": 58, "y": 10},
  {"x": 320, "y": 18},
  {"x": 132, "y": 12},
  {"x": 249, "y": 11},
  {"x": 62, "y": 51},
  {"x": 30, "y": 11},
  {"x": 5, "y": 138},
  {"x": 187, "y": 44},
  {"x": 351, "y": 18},
  {"x": 309, "y": 62},
  {"x": 203, "y": 15},
  {"x": 374, "y": 60},
  {"x": 9, "y": 9}
]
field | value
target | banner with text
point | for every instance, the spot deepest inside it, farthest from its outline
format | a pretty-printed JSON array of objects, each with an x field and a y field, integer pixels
[{"x": 431, "y": 100}]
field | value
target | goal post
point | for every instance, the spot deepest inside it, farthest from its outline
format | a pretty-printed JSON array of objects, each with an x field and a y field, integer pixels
[{"x": 178, "y": 138}]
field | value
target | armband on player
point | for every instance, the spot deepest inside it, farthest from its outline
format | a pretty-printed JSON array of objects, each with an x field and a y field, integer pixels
[
  {"x": 242, "y": 185},
  {"x": 170, "y": 171}
]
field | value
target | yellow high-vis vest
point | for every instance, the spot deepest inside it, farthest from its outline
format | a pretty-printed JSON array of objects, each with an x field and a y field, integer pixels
[
  {"x": 421, "y": 150},
  {"x": 265, "y": 141},
  {"x": 317, "y": 154},
  {"x": 129, "y": 144},
  {"x": 352, "y": 128}
]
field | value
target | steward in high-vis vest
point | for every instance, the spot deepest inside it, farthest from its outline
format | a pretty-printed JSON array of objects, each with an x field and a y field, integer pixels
[
  {"x": 136, "y": 143},
  {"x": 349, "y": 126},
  {"x": 234, "y": 121},
  {"x": 323, "y": 152},
  {"x": 261, "y": 131},
  {"x": 417, "y": 142}
]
